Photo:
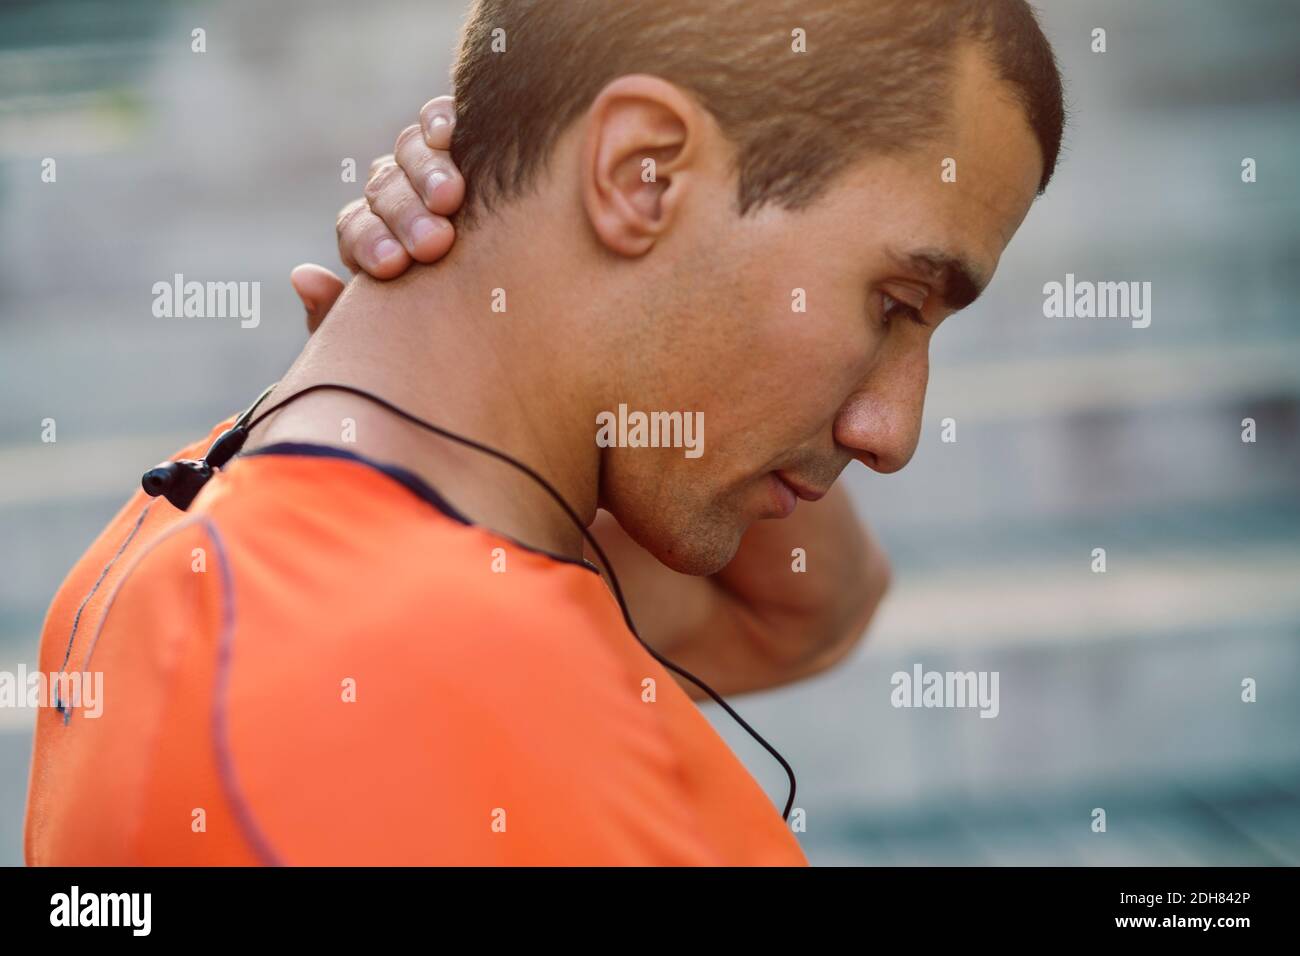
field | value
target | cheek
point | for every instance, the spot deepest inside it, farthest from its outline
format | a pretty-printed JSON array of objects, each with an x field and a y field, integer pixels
[
  {"x": 819, "y": 344},
  {"x": 795, "y": 372},
  {"x": 798, "y": 337}
]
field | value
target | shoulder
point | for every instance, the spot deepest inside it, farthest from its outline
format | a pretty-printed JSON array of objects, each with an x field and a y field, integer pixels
[
  {"x": 83, "y": 593},
  {"x": 339, "y": 561},
  {"x": 406, "y": 703}
]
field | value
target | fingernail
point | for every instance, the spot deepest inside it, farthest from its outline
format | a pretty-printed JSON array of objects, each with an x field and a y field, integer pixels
[
  {"x": 386, "y": 249},
  {"x": 439, "y": 119},
  {"x": 423, "y": 228},
  {"x": 436, "y": 179}
]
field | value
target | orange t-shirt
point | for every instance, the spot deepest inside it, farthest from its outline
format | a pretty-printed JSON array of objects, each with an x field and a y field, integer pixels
[{"x": 316, "y": 664}]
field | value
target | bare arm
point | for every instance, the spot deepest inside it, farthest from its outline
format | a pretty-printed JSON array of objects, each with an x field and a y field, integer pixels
[{"x": 759, "y": 623}]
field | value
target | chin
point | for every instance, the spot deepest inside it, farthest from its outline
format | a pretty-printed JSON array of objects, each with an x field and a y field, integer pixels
[
  {"x": 697, "y": 561},
  {"x": 691, "y": 544}
]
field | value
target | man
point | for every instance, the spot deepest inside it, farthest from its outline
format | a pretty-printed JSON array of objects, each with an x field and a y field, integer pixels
[{"x": 363, "y": 643}]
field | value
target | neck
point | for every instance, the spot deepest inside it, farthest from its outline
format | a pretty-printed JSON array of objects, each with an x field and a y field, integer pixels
[{"x": 431, "y": 344}]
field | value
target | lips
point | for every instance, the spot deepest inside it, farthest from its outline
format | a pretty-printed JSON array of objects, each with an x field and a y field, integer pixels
[{"x": 801, "y": 490}]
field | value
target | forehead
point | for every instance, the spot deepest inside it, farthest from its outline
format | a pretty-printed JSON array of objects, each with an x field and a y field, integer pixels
[
  {"x": 993, "y": 145},
  {"x": 967, "y": 191}
]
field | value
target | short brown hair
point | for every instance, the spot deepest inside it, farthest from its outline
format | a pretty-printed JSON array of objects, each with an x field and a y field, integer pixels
[{"x": 876, "y": 77}]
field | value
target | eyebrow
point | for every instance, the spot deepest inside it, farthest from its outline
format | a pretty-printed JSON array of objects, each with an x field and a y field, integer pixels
[{"x": 960, "y": 283}]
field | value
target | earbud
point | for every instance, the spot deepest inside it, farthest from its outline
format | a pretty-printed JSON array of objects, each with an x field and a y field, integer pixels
[
  {"x": 180, "y": 481},
  {"x": 177, "y": 481}
]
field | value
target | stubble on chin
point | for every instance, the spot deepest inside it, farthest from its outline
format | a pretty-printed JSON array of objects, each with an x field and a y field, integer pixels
[{"x": 696, "y": 539}]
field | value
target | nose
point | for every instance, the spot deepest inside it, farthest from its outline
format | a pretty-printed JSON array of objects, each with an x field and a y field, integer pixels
[{"x": 880, "y": 423}]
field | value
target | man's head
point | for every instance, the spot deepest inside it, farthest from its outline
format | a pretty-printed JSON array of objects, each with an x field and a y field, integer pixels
[{"x": 818, "y": 170}]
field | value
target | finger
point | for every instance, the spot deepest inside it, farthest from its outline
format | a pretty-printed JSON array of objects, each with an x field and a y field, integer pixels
[
  {"x": 379, "y": 161},
  {"x": 318, "y": 288},
  {"x": 438, "y": 121},
  {"x": 431, "y": 171},
  {"x": 426, "y": 237},
  {"x": 365, "y": 243}
]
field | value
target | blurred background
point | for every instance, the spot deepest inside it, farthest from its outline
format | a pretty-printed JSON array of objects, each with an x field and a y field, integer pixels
[{"x": 1119, "y": 690}]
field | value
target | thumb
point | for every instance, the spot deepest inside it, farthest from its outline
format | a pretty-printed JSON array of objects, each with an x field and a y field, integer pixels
[{"x": 318, "y": 288}]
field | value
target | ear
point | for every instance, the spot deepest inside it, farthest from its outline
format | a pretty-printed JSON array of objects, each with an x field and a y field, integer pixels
[{"x": 640, "y": 156}]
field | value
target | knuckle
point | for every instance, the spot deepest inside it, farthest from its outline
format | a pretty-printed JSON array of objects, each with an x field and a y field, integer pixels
[
  {"x": 412, "y": 132},
  {"x": 403, "y": 213},
  {"x": 380, "y": 180},
  {"x": 348, "y": 214}
]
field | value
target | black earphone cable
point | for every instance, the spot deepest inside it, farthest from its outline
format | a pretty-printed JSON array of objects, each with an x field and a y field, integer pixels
[{"x": 246, "y": 422}]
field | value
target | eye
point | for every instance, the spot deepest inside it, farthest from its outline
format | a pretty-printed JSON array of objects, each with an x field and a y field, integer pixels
[{"x": 892, "y": 308}]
